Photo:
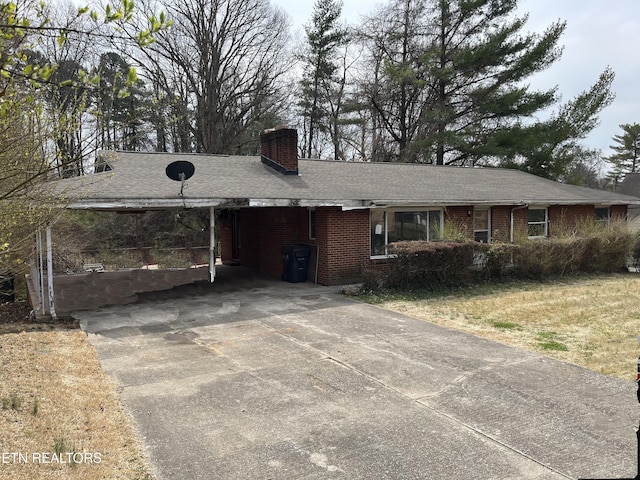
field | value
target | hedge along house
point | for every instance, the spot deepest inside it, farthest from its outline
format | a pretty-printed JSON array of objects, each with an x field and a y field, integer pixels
[{"x": 348, "y": 212}]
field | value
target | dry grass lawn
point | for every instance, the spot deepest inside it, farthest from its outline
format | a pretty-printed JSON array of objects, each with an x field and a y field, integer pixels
[
  {"x": 589, "y": 321},
  {"x": 59, "y": 406}
]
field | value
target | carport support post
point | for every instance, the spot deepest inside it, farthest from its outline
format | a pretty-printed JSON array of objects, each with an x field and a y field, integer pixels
[
  {"x": 212, "y": 244},
  {"x": 40, "y": 260},
  {"x": 52, "y": 300}
]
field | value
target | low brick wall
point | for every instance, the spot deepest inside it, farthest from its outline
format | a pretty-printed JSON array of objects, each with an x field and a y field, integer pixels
[{"x": 93, "y": 290}]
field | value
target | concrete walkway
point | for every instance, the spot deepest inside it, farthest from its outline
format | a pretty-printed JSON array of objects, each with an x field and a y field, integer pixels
[{"x": 257, "y": 379}]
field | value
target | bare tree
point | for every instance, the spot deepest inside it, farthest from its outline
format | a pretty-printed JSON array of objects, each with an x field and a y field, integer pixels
[{"x": 222, "y": 63}]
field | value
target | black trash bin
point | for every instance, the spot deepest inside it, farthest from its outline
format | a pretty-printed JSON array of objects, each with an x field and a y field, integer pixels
[
  {"x": 295, "y": 260},
  {"x": 6, "y": 286}
]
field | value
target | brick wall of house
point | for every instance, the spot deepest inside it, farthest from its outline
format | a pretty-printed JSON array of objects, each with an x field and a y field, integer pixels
[
  {"x": 501, "y": 224},
  {"x": 461, "y": 218},
  {"x": 618, "y": 212},
  {"x": 278, "y": 227},
  {"x": 520, "y": 222},
  {"x": 223, "y": 231},
  {"x": 343, "y": 237},
  {"x": 249, "y": 249},
  {"x": 565, "y": 218},
  {"x": 343, "y": 244}
]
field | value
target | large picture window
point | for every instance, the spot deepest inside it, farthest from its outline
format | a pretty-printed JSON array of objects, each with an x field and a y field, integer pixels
[{"x": 388, "y": 226}]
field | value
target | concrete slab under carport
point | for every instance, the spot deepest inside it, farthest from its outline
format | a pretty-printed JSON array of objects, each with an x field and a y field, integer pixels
[{"x": 254, "y": 378}]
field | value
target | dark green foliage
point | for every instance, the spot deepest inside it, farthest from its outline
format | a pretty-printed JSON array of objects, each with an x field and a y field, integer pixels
[
  {"x": 122, "y": 119},
  {"x": 453, "y": 76},
  {"x": 551, "y": 148},
  {"x": 319, "y": 84},
  {"x": 448, "y": 84},
  {"x": 627, "y": 150}
]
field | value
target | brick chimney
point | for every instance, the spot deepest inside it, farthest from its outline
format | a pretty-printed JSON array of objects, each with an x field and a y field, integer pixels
[{"x": 279, "y": 149}]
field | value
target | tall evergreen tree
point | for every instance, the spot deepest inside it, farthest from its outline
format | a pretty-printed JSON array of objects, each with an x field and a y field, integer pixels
[
  {"x": 626, "y": 158},
  {"x": 121, "y": 117},
  {"x": 325, "y": 35},
  {"x": 448, "y": 80},
  {"x": 550, "y": 148},
  {"x": 453, "y": 75}
]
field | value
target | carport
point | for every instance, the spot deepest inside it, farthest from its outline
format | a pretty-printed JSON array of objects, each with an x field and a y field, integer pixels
[{"x": 124, "y": 182}]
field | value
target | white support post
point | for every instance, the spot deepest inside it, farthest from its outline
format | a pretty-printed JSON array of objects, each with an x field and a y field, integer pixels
[
  {"x": 52, "y": 299},
  {"x": 43, "y": 304},
  {"x": 212, "y": 244}
]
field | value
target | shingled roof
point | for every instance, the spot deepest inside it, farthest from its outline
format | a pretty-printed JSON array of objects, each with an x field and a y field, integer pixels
[
  {"x": 136, "y": 180},
  {"x": 630, "y": 185}
]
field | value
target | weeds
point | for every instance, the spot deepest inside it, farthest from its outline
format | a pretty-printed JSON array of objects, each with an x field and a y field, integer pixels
[
  {"x": 506, "y": 326},
  {"x": 13, "y": 403},
  {"x": 64, "y": 449},
  {"x": 547, "y": 341}
]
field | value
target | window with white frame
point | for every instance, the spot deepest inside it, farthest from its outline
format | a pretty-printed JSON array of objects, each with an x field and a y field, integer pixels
[
  {"x": 388, "y": 226},
  {"x": 538, "y": 222},
  {"x": 482, "y": 225},
  {"x": 603, "y": 215},
  {"x": 312, "y": 223}
]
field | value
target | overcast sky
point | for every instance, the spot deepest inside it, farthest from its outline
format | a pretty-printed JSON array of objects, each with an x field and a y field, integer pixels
[{"x": 599, "y": 33}]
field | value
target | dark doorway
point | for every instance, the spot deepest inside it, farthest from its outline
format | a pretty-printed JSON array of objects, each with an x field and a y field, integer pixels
[{"x": 235, "y": 235}]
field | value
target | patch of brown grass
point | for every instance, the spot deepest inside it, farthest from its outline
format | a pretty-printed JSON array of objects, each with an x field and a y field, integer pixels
[
  {"x": 593, "y": 322},
  {"x": 55, "y": 398}
]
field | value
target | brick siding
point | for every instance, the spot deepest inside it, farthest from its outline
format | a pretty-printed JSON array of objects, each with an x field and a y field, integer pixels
[
  {"x": 501, "y": 224},
  {"x": 343, "y": 245},
  {"x": 343, "y": 237},
  {"x": 461, "y": 218}
]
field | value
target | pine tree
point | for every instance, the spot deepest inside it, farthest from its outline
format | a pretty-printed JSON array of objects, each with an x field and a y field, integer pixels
[
  {"x": 324, "y": 36},
  {"x": 448, "y": 82},
  {"x": 626, "y": 158}
]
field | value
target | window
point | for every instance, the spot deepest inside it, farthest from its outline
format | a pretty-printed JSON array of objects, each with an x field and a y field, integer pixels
[
  {"x": 538, "y": 221},
  {"x": 312, "y": 224},
  {"x": 482, "y": 225},
  {"x": 388, "y": 226},
  {"x": 602, "y": 215}
]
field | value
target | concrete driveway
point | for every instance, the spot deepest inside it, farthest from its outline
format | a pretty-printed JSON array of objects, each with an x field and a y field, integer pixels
[{"x": 258, "y": 379}]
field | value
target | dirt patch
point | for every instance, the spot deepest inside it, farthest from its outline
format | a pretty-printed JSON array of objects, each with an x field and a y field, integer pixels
[{"x": 16, "y": 317}]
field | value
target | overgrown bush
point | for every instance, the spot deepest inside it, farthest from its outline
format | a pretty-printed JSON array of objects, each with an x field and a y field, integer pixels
[
  {"x": 497, "y": 261},
  {"x": 634, "y": 255},
  {"x": 419, "y": 263},
  {"x": 590, "y": 248}
]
